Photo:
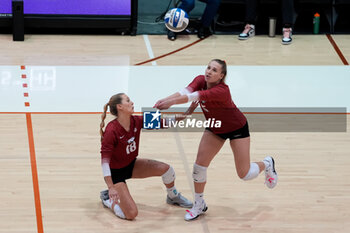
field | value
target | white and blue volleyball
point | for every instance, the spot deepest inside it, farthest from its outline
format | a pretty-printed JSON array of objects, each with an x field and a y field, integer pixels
[{"x": 176, "y": 20}]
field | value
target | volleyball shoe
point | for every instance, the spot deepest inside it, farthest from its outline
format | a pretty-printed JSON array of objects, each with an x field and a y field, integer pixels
[
  {"x": 195, "y": 211},
  {"x": 180, "y": 201},
  {"x": 270, "y": 172}
]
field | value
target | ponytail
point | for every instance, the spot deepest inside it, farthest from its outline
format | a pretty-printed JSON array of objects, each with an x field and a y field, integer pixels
[
  {"x": 103, "y": 117},
  {"x": 112, "y": 103}
]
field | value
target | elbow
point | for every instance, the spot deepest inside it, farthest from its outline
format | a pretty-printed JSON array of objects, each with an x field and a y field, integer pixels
[{"x": 194, "y": 96}]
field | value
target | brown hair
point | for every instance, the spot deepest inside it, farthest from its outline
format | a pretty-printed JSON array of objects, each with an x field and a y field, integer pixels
[
  {"x": 112, "y": 103},
  {"x": 223, "y": 68}
]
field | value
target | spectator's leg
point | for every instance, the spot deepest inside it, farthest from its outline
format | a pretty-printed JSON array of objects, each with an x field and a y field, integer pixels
[
  {"x": 287, "y": 21},
  {"x": 187, "y": 5},
  {"x": 251, "y": 11},
  {"x": 250, "y": 18},
  {"x": 287, "y": 13},
  {"x": 210, "y": 12}
]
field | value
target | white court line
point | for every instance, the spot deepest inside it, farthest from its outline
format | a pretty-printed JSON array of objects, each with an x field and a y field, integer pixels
[
  {"x": 149, "y": 49},
  {"x": 176, "y": 134},
  {"x": 183, "y": 157},
  {"x": 179, "y": 145}
]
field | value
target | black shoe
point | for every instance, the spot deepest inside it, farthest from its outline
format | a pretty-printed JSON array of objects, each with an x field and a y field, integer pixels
[
  {"x": 171, "y": 35},
  {"x": 203, "y": 32}
]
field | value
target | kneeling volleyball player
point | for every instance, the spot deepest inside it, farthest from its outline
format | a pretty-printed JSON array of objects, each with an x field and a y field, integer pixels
[{"x": 119, "y": 151}]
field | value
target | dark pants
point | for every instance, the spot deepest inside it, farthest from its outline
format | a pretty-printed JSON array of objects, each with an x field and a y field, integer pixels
[
  {"x": 209, "y": 12},
  {"x": 287, "y": 12}
]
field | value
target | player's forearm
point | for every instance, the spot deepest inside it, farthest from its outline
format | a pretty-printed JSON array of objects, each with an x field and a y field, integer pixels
[
  {"x": 175, "y": 95},
  {"x": 179, "y": 99},
  {"x": 109, "y": 181},
  {"x": 191, "y": 109},
  {"x": 107, "y": 173}
]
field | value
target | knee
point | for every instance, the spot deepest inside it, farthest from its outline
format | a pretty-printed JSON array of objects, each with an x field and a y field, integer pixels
[
  {"x": 164, "y": 167},
  {"x": 199, "y": 174},
  {"x": 160, "y": 168},
  {"x": 191, "y": 5},
  {"x": 249, "y": 174},
  {"x": 213, "y": 2},
  {"x": 187, "y": 5},
  {"x": 131, "y": 214},
  {"x": 168, "y": 175},
  {"x": 242, "y": 173}
]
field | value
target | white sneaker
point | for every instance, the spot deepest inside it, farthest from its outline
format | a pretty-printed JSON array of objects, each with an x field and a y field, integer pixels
[
  {"x": 249, "y": 31},
  {"x": 195, "y": 211},
  {"x": 117, "y": 210},
  {"x": 270, "y": 173},
  {"x": 107, "y": 203}
]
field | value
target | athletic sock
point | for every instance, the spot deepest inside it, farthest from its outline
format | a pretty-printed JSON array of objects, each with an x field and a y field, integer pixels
[
  {"x": 172, "y": 192},
  {"x": 198, "y": 199}
]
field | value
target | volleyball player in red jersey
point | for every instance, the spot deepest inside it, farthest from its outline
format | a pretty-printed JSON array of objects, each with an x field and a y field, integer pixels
[
  {"x": 119, "y": 151},
  {"x": 213, "y": 95}
]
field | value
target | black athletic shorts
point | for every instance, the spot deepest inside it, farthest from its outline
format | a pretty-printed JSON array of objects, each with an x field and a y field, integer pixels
[
  {"x": 122, "y": 174},
  {"x": 239, "y": 133}
]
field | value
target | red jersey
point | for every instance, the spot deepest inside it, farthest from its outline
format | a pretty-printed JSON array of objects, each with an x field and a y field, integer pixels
[
  {"x": 216, "y": 102},
  {"x": 119, "y": 147}
]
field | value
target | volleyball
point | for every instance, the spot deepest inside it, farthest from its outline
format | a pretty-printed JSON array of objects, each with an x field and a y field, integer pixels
[{"x": 176, "y": 20}]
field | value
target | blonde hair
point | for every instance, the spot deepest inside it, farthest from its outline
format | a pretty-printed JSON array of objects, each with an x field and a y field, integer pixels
[{"x": 112, "y": 103}]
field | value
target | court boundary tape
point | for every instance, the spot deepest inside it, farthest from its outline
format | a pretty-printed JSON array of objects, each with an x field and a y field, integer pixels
[
  {"x": 39, "y": 219},
  {"x": 170, "y": 53},
  {"x": 33, "y": 165},
  {"x": 337, "y": 49}
]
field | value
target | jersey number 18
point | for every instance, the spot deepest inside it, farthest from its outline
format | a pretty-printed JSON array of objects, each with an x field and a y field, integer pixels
[{"x": 131, "y": 147}]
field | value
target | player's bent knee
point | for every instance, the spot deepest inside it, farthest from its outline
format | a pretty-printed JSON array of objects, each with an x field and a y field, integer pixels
[
  {"x": 242, "y": 173},
  {"x": 131, "y": 214},
  {"x": 199, "y": 173},
  {"x": 121, "y": 186},
  {"x": 169, "y": 176},
  {"x": 252, "y": 173},
  {"x": 165, "y": 167}
]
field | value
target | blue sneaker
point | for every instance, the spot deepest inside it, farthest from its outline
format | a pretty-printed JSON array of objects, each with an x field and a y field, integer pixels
[{"x": 180, "y": 201}]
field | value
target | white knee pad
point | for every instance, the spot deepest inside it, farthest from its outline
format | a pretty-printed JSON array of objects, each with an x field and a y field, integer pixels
[
  {"x": 169, "y": 176},
  {"x": 199, "y": 173},
  {"x": 253, "y": 172}
]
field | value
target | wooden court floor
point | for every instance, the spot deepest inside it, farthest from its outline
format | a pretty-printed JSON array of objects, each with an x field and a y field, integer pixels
[{"x": 313, "y": 190}]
